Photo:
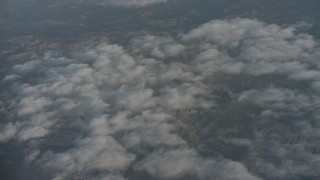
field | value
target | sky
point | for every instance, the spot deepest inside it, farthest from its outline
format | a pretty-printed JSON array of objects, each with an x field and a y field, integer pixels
[{"x": 112, "y": 110}]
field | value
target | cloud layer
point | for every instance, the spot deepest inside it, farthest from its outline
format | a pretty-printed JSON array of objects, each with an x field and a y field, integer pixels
[
  {"x": 119, "y": 109},
  {"x": 102, "y": 93}
]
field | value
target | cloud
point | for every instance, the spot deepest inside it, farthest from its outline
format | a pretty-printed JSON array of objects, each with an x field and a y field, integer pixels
[
  {"x": 186, "y": 163},
  {"x": 274, "y": 100},
  {"x": 286, "y": 125},
  {"x": 7, "y": 132},
  {"x": 120, "y": 109},
  {"x": 156, "y": 46},
  {"x": 98, "y": 153},
  {"x": 119, "y": 104},
  {"x": 255, "y": 48},
  {"x": 284, "y": 116}
]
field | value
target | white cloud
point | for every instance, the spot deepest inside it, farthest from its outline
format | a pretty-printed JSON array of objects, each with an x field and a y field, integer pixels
[
  {"x": 279, "y": 99},
  {"x": 186, "y": 163},
  {"x": 110, "y": 96},
  {"x": 288, "y": 129},
  {"x": 119, "y": 103},
  {"x": 7, "y": 132},
  {"x": 252, "y": 47},
  {"x": 156, "y": 46}
]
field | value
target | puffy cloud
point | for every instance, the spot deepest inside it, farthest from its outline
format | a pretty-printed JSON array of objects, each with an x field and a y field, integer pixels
[
  {"x": 184, "y": 97},
  {"x": 256, "y": 48},
  {"x": 119, "y": 103},
  {"x": 119, "y": 108},
  {"x": 287, "y": 124},
  {"x": 99, "y": 153},
  {"x": 156, "y": 46},
  {"x": 7, "y": 132},
  {"x": 285, "y": 118},
  {"x": 282, "y": 100},
  {"x": 231, "y": 33},
  {"x": 186, "y": 163}
]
